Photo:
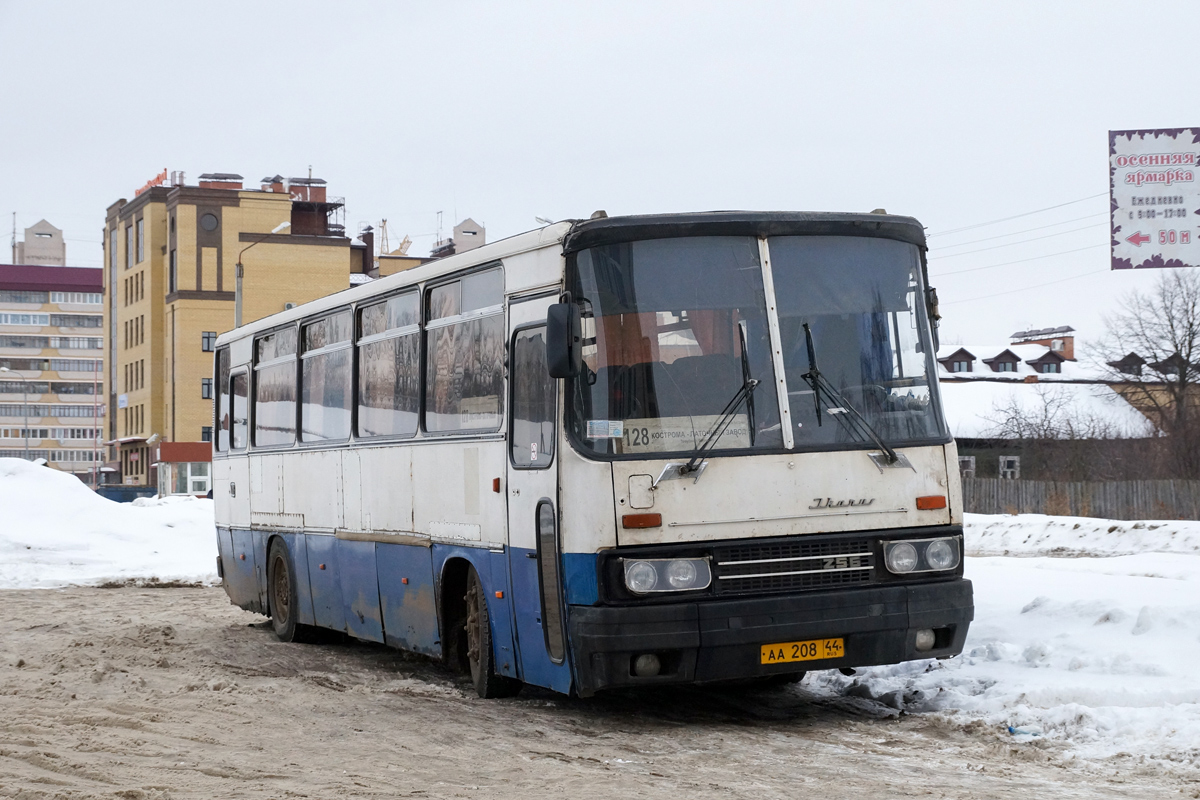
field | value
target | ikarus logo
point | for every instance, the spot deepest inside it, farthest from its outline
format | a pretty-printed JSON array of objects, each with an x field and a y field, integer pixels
[{"x": 829, "y": 502}]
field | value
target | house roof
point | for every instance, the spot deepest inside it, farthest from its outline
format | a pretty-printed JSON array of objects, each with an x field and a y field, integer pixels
[
  {"x": 975, "y": 409},
  {"x": 1023, "y": 355}
]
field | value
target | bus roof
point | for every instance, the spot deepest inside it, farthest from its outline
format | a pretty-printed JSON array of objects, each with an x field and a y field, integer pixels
[{"x": 579, "y": 234}]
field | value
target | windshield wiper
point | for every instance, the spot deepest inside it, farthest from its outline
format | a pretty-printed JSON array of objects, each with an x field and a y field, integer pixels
[
  {"x": 847, "y": 415},
  {"x": 743, "y": 395}
]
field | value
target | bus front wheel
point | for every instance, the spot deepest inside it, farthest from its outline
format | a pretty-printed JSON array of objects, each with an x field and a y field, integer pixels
[{"x": 481, "y": 657}]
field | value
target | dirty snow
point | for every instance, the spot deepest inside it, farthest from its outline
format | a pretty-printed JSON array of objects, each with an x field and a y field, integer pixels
[
  {"x": 1086, "y": 633},
  {"x": 1095, "y": 652},
  {"x": 55, "y": 531}
]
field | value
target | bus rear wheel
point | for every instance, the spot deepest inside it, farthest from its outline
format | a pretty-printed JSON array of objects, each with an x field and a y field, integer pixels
[
  {"x": 284, "y": 594},
  {"x": 481, "y": 657}
]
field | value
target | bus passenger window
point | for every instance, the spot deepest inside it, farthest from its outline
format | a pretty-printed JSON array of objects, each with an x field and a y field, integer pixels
[
  {"x": 464, "y": 355},
  {"x": 275, "y": 388},
  {"x": 533, "y": 390},
  {"x": 221, "y": 408},
  {"x": 325, "y": 379},
  {"x": 239, "y": 392},
  {"x": 389, "y": 367}
]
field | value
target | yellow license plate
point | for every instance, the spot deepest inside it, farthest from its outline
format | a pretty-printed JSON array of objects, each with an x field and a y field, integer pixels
[{"x": 812, "y": 650}]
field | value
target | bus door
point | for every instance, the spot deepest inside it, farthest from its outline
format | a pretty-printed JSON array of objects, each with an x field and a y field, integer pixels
[{"x": 534, "y": 553}]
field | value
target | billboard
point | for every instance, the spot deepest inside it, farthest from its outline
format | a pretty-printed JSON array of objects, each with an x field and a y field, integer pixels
[{"x": 1155, "y": 197}]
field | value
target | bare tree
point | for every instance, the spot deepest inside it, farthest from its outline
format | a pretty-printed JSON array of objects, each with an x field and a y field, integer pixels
[{"x": 1150, "y": 353}]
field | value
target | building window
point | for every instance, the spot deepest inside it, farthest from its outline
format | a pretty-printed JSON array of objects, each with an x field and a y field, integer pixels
[
  {"x": 206, "y": 433},
  {"x": 1010, "y": 467},
  {"x": 208, "y": 341},
  {"x": 961, "y": 366},
  {"x": 1006, "y": 366},
  {"x": 1050, "y": 368},
  {"x": 173, "y": 272},
  {"x": 129, "y": 253},
  {"x": 966, "y": 466},
  {"x": 141, "y": 241},
  {"x": 206, "y": 388}
]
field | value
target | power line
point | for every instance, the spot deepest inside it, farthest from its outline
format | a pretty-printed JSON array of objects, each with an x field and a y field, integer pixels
[
  {"x": 1023, "y": 288},
  {"x": 1021, "y": 241},
  {"x": 1023, "y": 260},
  {"x": 1018, "y": 216},
  {"x": 1024, "y": 230}
]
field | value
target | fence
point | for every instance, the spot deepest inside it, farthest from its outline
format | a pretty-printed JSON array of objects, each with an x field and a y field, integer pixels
[{"x": 1107, "y": 500}]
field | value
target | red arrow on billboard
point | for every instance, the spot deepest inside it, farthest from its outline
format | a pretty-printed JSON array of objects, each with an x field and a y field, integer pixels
[{"x": 1138, "y": 239}]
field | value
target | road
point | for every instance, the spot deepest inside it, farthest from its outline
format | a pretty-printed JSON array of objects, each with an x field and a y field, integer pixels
[{"x": 173, "y": 693}]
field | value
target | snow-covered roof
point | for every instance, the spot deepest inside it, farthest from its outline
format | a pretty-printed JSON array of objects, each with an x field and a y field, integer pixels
[
  {"x": 976, "y": 409},
  {"x": 1069, "y": 370}
]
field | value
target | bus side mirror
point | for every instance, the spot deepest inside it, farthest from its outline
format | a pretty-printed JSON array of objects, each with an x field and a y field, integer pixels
[{"x": 564, "y": 340}]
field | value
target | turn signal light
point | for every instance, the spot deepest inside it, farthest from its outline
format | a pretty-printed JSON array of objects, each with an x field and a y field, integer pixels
[
  {"x": 641, "y": 521},
  {"x": 931, "y": 502}
]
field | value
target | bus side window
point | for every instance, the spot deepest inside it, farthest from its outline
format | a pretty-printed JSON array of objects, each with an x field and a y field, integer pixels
[
  {"x": 221, "y": 408},
  {"x": 532, "y": 439},
  {"x": 464, "y": 354},
  {"x": 239, "y": 390}
]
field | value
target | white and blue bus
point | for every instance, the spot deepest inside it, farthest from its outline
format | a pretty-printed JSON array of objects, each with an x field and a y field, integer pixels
[{"x": 616, "y": 452}]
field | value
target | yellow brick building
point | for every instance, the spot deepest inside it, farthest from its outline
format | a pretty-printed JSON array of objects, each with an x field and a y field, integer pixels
[{"x": 170, "y": 275}]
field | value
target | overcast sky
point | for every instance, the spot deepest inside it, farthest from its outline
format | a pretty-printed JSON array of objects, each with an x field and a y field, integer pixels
[{"x": 954, "y": 113}]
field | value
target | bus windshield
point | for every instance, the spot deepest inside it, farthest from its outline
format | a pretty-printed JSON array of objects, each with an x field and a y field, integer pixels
[{"x": 675, "y": 328}]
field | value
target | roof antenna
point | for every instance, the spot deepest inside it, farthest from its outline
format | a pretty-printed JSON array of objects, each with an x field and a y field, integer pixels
[{"x": 310, "y": 172}]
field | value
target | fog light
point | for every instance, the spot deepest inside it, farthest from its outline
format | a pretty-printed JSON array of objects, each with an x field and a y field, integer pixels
[
  {"x": 646, "y": 665},
  {"x": 941, "y": 554},
  {"x": 640, "y": 576},
  {"x": 901, "y": 557},
  {"x": 925, "y": 639}
]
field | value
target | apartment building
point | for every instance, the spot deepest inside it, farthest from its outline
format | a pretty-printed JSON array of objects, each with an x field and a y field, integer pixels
[
  {"x": 51, "y": 371},
  {"x": 170, "y": 278}
]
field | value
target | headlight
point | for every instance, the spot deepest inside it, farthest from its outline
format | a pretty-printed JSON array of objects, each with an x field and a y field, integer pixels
[
  {"x": 640, "y": 576},
  {"x": 941, "y": 554},
  {"x": 901, "y": 557},
  {"x": 667, "y": 575},
  {"x": 921, "y": 555}
]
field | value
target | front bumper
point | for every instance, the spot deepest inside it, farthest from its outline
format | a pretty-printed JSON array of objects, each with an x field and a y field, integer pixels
[{"x": 719, "y": 640}]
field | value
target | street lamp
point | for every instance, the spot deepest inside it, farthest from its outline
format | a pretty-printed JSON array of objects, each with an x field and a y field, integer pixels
[
  {"x": 24, "y": 404},
  {"x": 237, "y": 297}
]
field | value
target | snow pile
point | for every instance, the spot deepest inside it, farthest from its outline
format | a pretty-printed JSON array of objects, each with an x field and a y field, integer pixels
[
  {"x": 1041, "y": 535},
  {"x": 55, "y": 531},
  {"x": 1097, "y": 654}
]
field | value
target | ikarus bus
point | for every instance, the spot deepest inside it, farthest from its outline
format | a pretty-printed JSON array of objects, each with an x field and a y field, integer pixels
[{"x": 625, "y": 451}]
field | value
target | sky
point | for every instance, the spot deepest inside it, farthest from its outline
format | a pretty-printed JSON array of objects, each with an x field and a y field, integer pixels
[{"x": 957, "y": 114}]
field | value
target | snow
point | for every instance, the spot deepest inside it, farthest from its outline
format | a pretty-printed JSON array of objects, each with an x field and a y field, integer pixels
[
  {"x": 1086, "y": 634},
  {"x": 55, "y": 531},
  {"x": 1077, "y": 370},
  {"x": 1095, "y": 653},
  {"x": 974, "y": 409}
]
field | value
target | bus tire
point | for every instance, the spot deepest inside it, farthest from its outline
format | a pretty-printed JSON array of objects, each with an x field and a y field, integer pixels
[
  {"x": 481, "y": 659},
  {"x": 283, "y": 594}
]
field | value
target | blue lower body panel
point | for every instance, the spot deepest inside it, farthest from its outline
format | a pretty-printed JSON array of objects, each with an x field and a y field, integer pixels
[
  {"x": 406, "y": 595},
  {"x": 328, "y": 604},
  {"x": 360, "y": 589}
]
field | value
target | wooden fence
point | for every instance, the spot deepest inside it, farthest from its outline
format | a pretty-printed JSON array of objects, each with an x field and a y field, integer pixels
[{"x": 1107, "y": 500}]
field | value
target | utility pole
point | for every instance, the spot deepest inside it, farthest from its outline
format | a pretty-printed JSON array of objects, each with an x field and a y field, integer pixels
[{"x": 14, "y": 238}]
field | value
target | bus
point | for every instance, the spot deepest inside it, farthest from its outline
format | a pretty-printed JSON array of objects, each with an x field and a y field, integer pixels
[{"x": 616, "y": 452}]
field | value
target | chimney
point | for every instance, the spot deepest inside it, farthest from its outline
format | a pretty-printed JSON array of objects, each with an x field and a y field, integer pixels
[
  {"x": 1060, "y": 340},
  {"x": 221, "y": 180},
  {"x": 274, "y": 184}
]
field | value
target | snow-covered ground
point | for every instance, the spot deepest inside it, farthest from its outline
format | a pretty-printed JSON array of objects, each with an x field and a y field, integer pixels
[
  {"x": 1086, "y": 632},
  {"x": 1095, "y": 647},
  {"x": 55, "y": 531}
]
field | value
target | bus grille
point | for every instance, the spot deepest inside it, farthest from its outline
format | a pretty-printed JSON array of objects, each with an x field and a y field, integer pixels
[{"x": 793, "y": 565}]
